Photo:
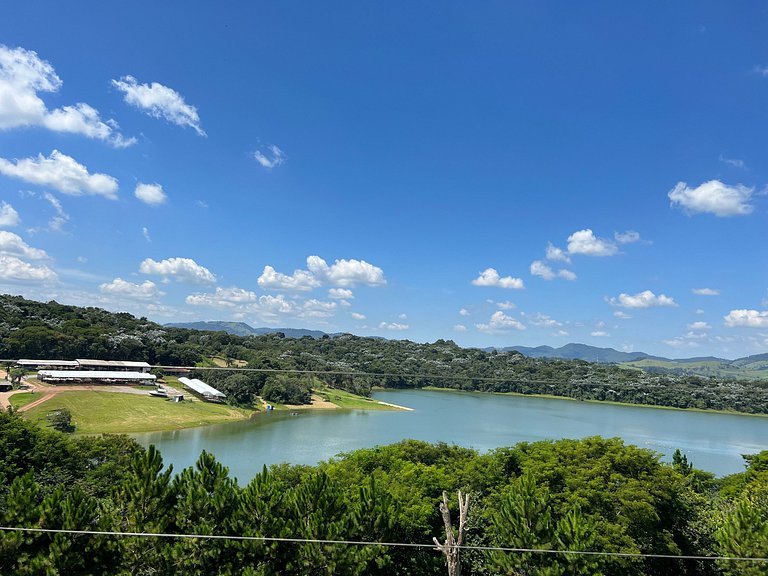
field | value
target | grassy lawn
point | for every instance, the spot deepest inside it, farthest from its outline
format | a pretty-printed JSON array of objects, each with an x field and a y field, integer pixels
[
  {"x": 344, "y": 399},
  {"x": 24, "y": 398},
  {"x": 111, "y": 412}
]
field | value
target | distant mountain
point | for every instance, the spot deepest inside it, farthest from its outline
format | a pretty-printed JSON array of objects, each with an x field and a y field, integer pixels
[
  {"x": 575, "y": 351},
  {"x": 243, "y": 329}
]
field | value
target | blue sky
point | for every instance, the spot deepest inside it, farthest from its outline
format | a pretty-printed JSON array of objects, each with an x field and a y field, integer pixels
[{"x": 500, "y": 173}]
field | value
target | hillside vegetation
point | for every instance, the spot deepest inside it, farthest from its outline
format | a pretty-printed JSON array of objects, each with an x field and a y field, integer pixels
[
  {"x": 36, "y": 330},
  {"x": 592, "y": 494}
]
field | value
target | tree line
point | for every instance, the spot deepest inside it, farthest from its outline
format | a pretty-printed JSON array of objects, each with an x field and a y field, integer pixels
[
  {"x": 31, "y": 329},
  {"x": 593, "y": 494}
]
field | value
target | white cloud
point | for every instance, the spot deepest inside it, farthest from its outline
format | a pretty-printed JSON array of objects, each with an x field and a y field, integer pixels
[
  {"x": 557, "y": 254},
  {"x": 222, "y": 298},
  {"x": 732, "y": 161},
  {"x": 543, "y": 321},
  {"x": 300, "y": 280},
  {"x": 272, "y": 158},
  {"x": 748, "y": 318},
  {"x": 402, "y": 316},
  {"x": 151, "y": 194},
  {"x": 159, "y": 102},
  {"x": 706, "y": 291},
  {"x": 539, "y": 268},
  {"x": 560, "y": 333},
  {"x": 622, "y": 315},
  {"x": 628, "y": 237},
  {"x": 346, "y": 273},
  {"x": 340, "y": 294},
  {"x": 57, "y": 222},
  {"x": 147, "y": 290},
  {"x": 645, "y": 299},
  {"x": 681, "y": 342},
  {"x": 8, "y": 216},
  {"x": 490, "y": 277},
  {"x": 318, "y": 309},
  {"x": 464, "y": 312},
  {"x": 13, "y": 269},
  {"x": 62, "y": 173},
  {"x": 12, "y": 244},
  {"x": 586, "y": 243},
  {"x": 505, "y": 305},
  {"x": 500, "y": 322},
  {"x": 713, "y": 197},
  {"x": 698, "y": 311},
  {"x": 183, "y": 269},
  {"x": 459, "y": 328},
  {"x": 599, "y": 334},
  {"x": 145, "y": 233},
  {"x": 357, "y": 316},
  {"x": 22, "y": 76},
  {"x": 396, "y": 326}
]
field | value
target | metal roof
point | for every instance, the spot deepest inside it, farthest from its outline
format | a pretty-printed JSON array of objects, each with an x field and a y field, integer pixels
[
  {"x": 113, "y": 363},
  {"x": 28, "y": 362},
  {"x": 201, "y": 387},
  {"x": 94, "y": 375}
]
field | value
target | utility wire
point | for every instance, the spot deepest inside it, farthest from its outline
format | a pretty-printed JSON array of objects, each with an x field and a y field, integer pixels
[{"x": 383, "y": 544}]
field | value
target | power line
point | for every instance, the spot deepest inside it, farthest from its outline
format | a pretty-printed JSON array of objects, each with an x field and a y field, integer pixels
[{"x": 383, "y": 544}]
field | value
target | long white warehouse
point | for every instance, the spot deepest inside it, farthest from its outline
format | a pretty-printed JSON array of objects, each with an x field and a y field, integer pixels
[
  {"x": 201, "y": 388},
  {"x": 103, "y": 376}
]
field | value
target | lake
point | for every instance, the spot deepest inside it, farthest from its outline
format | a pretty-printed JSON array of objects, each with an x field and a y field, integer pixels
[{"x": 711, "y": 441}]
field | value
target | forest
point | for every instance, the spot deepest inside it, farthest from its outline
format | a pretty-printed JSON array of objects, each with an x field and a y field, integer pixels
[
  {"x": 593, "y": 494},
  {"x": 30, "y": 329}
]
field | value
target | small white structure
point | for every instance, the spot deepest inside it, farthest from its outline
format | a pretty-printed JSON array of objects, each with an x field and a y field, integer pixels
[
  {"x": 206, "y": 391},
  {"x": 95, "y": 376}
]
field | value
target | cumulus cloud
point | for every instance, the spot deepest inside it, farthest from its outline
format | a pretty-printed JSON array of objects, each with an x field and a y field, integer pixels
[
  {"x": 222, "y": 298},
  {"x": 340, "y": 294},
  {"x": 505, "y": 305},
  {"x": 539, "y": 268},
  {"x": 159, "y": 102},
  {"x": 490, "y": 277},
  {"x": 13, "y": 245},
  {"x": 147, "y": 290},
  {"x": 748, "y": 318},
  {"x": 699, "y": 326},
  {"x": 556, "y": 254},
  {"x": 396, "y": 326},
  {"x": 706, "y": 291},
  {"x": 713, "y": 197},
  {"x": 645, "y": 299},
  {"x": 622, "y": 315},
  {"x": 183, "y": 269},
  {"x": 151, "y": 194},
  {"x": 62, "y": 173},
  {"x": 500, "y": 322},
  {"x": 300, "y": 280},
  {"x": 464, "y": 312},
  {"x": 23, "y": 75},
  {"x": 270, "y": 158},
  {"x": 346, "y": 273},
  {"x": 585, "y": 242},
  {"x": 357, "y": 316},
  {"x": 8, "y": 216},
  {"x": 599, "y": 334},
  {"x": 13, "y": 269}
]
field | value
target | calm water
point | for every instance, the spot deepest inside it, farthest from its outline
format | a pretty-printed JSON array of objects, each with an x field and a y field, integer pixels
[{"x": 712, "y": 442}]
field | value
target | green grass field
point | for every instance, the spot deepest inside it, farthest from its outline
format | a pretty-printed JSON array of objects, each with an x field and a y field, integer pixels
[
  {"x": 23, "y": 398},
  {"x": 111, "y": 412},
  {"x": 344, "y": 399}
]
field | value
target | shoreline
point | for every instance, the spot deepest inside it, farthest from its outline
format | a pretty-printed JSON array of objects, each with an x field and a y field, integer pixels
[{"x": 591, "y": 401}]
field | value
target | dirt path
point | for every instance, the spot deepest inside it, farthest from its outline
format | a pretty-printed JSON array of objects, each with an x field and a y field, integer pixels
[{"x": 51, "y": 391}]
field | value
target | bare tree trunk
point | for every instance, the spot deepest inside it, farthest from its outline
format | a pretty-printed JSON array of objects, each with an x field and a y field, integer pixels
[{"x": 452, "y": 545}]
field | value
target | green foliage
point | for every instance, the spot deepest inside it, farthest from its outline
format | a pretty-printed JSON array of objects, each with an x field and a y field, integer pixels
[
  {"x": 61, "y": 420},
  {"x": 284, "y": 389}
]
